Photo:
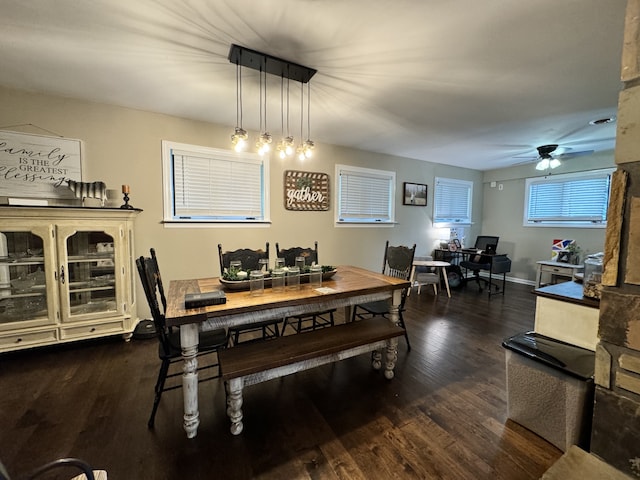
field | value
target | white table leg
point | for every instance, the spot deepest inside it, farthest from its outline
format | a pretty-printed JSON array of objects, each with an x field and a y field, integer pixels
[
  {"x": 391, "y": 357},
  {"x": 189, "y": 344},
  {"x": 446, "y": 280},
  {"x": 234, "y": 404}
]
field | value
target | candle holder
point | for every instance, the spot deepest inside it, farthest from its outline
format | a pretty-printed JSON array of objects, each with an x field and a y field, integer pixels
[{"x": 126, "y": 202}]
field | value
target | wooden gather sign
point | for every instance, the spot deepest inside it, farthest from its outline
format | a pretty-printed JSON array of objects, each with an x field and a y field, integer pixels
[{"x": 306, "y": 190}]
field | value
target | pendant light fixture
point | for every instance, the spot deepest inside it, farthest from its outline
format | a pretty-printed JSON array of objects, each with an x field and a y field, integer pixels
[
  {"x": 300, "y": 149},
  {"x": 264, "y": 63},
  {"x": 239, "y": 137},
  {"x": 264, "y": 141},
  {"x": 308, "y": 145},
  {"x": 285, "y": 146}
]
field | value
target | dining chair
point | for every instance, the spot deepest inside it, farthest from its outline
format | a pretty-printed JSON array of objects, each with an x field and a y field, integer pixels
[
  {"x": 88, "y": 473},
  {"x": 169, "y": 350},
  {"x": 398, "y": 263},
  {"x": 309, "y": 321},
  {"x": 250, "y": 261}
]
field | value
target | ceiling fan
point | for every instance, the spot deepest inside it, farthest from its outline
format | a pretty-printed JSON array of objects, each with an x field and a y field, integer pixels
[{"x": 548, "y": 161}]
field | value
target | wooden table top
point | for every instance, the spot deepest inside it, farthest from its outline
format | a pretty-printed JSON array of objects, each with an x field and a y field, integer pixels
[{"x": 347, "y": 281}]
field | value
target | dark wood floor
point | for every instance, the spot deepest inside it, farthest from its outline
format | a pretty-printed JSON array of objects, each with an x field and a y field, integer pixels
[{"x": 442, "y": 417}]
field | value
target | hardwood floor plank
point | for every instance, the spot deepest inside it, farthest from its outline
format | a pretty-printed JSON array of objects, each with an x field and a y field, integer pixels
[{"x": 443, "y": 416}]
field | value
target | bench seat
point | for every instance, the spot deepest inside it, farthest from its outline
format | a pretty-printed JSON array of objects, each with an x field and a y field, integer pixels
[{"x": 254, "y": 363}]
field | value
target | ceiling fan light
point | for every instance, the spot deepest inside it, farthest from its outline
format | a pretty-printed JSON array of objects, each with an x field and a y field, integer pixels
[
  {"x": 543, "y": 164},
  {"x": 555, "y": 163}
]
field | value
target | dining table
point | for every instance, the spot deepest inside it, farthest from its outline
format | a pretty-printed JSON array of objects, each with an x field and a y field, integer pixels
[{"x": 348, "y": 286}]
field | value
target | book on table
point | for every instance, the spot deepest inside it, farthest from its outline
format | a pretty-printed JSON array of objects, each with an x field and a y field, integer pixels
[{"x": 194, "y": 300}]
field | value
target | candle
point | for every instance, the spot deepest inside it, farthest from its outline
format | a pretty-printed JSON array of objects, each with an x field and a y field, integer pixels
[{"x": 125, "y": 188}]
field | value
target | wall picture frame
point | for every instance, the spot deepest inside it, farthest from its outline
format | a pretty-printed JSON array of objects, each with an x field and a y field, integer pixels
[{"x": 414, "y": 194}]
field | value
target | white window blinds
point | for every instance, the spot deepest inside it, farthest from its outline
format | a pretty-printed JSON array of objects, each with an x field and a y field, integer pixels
[
  {"x": 364, "y": 195},
  {"x": 581, "y": 198},
  {"x": 452, "y": 201},
  {"x": 215, "y": 185}
]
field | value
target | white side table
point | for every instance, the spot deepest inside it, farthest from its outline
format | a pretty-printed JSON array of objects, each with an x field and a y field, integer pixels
[
  {"x": 556, "y": 269},
  {"x": 436, "y": 264}
]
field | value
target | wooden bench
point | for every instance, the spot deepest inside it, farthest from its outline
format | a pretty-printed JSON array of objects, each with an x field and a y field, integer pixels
[{"x": 254, "y": 363}]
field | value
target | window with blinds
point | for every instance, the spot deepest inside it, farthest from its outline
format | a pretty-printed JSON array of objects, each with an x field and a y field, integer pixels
[
  {"x": 364, "y": 195},
  {"x": 204, "y": 184},
  {"x": 574, "y": 199},
  {"x": 452, "y": 201}
]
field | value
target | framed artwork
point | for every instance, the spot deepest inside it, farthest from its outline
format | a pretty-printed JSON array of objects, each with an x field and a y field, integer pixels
[
  {"x": 306, "y": 191},
  {"x": 38, "y": 166},
  {"x": 414, "y": 194}
]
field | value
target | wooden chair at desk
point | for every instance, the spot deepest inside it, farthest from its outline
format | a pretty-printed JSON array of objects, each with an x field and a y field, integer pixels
[
  {"x": 312, "y": 321},
  {"x": 398, "y": 263},
  {"x": 250, "y": 261},
  {"x": 169, "y": 350}
]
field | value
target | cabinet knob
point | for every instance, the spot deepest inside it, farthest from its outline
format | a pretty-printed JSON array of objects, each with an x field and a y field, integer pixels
[{"x": 18, "y": 340}]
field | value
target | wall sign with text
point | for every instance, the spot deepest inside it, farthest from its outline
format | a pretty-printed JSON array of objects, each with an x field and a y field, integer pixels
[
  {"x": 306, "y": 190},
  {"x": 37, "y": 165}
]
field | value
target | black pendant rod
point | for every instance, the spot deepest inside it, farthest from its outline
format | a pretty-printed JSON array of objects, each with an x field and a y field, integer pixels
[{"x": 267, "y": 63}]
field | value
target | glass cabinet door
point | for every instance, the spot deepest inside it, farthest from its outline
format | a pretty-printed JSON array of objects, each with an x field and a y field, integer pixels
[
  {"x": 89, "y": 274},
  {"x": 23, "y": 273}
]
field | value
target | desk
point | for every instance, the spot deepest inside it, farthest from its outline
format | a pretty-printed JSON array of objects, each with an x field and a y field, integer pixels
[
  {"x": 556, "y": 269},
  {"x": 435, "y": 264},
  {"x": 350, "y": 286},
  {"x": 498, "y": 263}
]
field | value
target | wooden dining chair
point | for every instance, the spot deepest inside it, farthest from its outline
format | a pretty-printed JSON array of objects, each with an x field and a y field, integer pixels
[
  {"x": 310, "y": 321},
  {"x": 250, "y": 261},
  {"x": 61, "y": 464},
  {"x": 169, "y": 350},
  {"x": 398, "y": 263}
]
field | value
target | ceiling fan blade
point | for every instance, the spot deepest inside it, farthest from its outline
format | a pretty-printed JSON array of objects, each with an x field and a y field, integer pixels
[{"x": 568, "y": 155}]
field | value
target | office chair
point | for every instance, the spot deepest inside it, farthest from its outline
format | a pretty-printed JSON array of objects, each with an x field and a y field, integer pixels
[
  {"x": 398, "y": 263},
  {"x": 308, "y": 321},
  {"x": 477, "y": 261}
]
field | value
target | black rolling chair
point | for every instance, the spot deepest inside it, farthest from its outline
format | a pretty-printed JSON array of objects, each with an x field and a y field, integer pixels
[
  {"x": 250, "y": 261},
  {"x": 478, "y": 261},
  {"x": 311, "y": 321},
  {"x": 398, "y": 263},
  {"x": 169, "y": 349}
]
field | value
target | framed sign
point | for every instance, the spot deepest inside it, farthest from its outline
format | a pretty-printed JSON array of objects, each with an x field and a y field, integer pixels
[
  {"x": 306, "y": 190},
  {"x": 414, "y": 194},
  {"x": 37, "y": 165}
]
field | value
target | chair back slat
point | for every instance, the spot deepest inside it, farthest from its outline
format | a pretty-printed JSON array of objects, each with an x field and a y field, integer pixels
[
  {"x": 250, "y": 258},
  {"x": 290, "y": 254}
]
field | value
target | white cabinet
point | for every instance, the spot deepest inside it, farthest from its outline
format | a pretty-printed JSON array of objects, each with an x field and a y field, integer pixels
[{"x": 65, "y": 274}]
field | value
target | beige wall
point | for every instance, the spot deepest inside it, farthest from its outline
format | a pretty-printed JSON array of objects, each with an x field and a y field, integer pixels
[
  {"x": 123, "y": 146},
  {"x": 503, "y": 215}
]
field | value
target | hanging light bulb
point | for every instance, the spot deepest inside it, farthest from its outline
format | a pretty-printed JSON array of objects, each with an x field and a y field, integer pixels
[
  {"x": 239, "y": 137},
  {"x": 264, "y": 141},
  {"x": 308, "y": 145},
  {"x": 300, "y": 151}
]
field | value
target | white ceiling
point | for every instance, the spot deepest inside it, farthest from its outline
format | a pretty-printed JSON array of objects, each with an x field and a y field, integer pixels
[{"x": 463, "y": 82}]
